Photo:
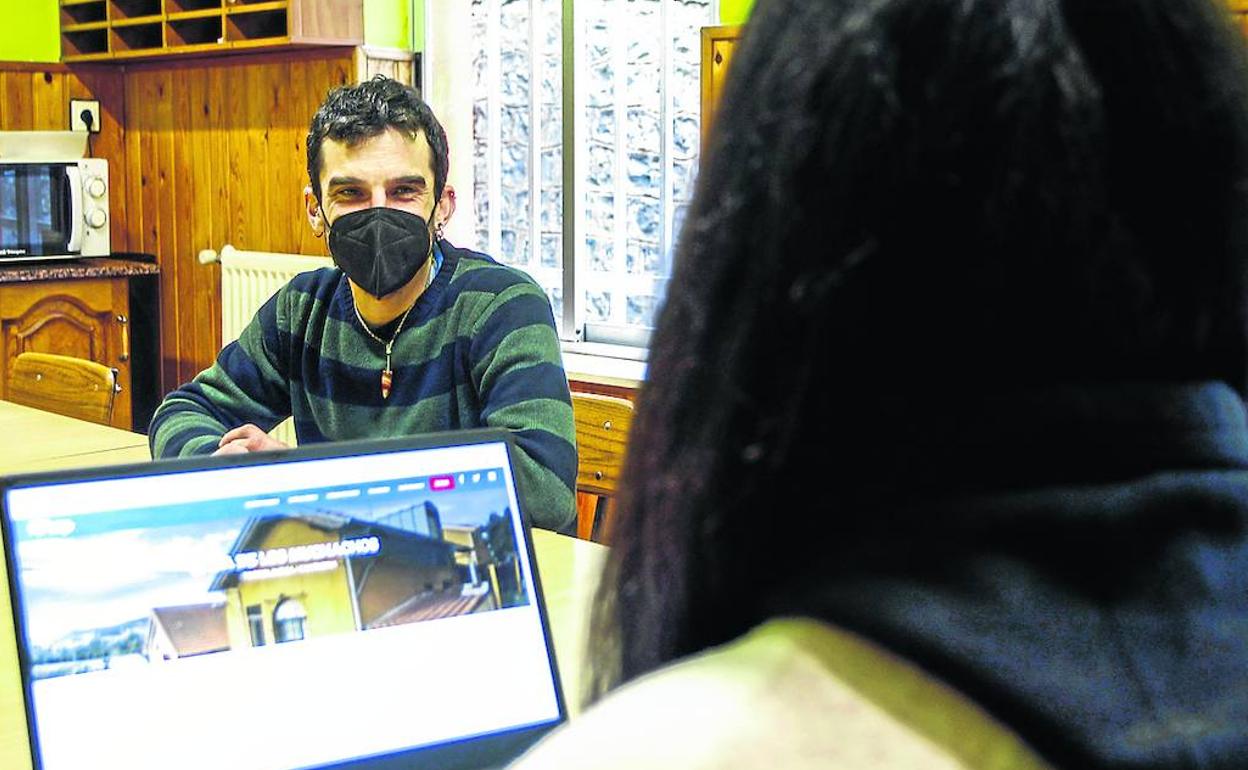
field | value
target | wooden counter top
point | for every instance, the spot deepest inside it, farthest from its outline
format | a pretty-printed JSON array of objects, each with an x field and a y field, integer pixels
[{"x": 72, "y": 269}]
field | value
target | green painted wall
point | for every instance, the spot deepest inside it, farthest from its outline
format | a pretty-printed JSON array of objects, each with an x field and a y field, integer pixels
[
  {"x": 30, "y": 31},
  {"x": 734, "y": 11},
  {"x": 418, "y": 25},
  {"x": 388, "y": 23}
]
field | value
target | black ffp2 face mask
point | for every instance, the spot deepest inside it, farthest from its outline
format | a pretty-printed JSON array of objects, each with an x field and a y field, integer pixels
[{"x": 380, "y": 249}]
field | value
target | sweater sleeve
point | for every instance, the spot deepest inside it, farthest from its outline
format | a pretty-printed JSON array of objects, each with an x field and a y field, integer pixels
[
  {"x": 518, "y": 372},
  {"x": 247, "y": 384}
]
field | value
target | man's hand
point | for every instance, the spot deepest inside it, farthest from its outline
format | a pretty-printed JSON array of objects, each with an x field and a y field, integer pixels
[{"x": 247, "y": 438}]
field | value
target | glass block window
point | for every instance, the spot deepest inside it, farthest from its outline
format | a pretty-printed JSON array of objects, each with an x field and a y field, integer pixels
[
  {"x": 634, "y": 115},
  {"x": 517, "y": 131}
]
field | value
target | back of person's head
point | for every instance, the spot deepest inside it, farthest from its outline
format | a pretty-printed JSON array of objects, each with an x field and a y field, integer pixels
[
  {"x": 907, "y": 204},
  {"x": 352, "y": 114}
]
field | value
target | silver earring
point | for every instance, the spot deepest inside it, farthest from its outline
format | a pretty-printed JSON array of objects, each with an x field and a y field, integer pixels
[{"x": 437, "y": 230}]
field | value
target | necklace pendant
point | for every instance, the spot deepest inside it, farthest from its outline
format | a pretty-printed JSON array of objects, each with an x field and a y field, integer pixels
[{"x": 386, "y": 379}]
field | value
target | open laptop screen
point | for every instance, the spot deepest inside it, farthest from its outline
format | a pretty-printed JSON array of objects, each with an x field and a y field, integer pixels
[{"x": 305, "y": 611}]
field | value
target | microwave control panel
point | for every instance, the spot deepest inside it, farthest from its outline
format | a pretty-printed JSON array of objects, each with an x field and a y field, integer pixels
[{"x": 95, "y": 236}]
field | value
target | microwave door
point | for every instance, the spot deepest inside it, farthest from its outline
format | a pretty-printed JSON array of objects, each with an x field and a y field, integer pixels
[
  {"x": 36, "y": 215},
  {"x": 73, "y": 176}
]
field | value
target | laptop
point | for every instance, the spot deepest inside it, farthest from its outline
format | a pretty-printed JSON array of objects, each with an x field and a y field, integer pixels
[{"x": 364, "y": 605}]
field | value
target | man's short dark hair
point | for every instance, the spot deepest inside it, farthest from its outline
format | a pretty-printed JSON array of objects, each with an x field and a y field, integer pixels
[{"x": 351, "y": 114}]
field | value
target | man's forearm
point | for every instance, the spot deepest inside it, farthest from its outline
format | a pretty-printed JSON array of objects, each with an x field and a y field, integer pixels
[
  {"x": 544, "y": 464},
  {"x": 182, "y": 427},
  {"x": 518, "y": 372},
  {"x": 232, "y": 392}
]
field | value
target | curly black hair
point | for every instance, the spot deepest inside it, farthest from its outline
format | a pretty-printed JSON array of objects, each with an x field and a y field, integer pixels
[
  {"x": 906, "y": 204},
  {"x": 353, "y": 113}
]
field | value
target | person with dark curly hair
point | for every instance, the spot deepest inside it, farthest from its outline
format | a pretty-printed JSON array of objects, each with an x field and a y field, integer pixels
[
  {"x": 406, "y": 334},
  {"x": 942, "y": 458}
]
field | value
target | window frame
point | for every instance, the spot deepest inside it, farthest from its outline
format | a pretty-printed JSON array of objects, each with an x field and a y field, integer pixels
[
  {"x": 606, "y": 350},
  {"x": 255, "y": 624},
  {"x": 280, "y": 625}
]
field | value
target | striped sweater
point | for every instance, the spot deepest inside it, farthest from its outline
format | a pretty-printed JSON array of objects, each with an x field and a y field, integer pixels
[{"x": 479, "y": 348}]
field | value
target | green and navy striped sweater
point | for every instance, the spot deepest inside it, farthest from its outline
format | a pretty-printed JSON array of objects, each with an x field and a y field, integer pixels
[{"x": 478, "y": 349}]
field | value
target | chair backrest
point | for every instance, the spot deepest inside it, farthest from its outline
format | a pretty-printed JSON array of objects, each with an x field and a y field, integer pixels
[
  {"x": 602, "y": 425},
  {"x": 74, "y": 387}
]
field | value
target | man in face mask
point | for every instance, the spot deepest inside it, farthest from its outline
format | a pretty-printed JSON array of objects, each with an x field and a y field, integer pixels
[{"x": 406, "y": 334}]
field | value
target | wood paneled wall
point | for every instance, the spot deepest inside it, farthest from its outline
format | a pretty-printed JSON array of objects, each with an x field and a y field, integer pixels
[
  {"x": 395, "y": 64},
  {"x": 214, "y": 152},
  {"x": 201, "y": 152},
  {"x": 36, "y": 97}
]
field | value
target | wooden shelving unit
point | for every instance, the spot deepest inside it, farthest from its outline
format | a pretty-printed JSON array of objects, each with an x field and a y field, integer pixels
[{"x": 93, "y": 30}]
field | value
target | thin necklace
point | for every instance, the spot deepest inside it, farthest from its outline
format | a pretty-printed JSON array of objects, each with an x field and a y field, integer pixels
[{"x": 387, "y": 374}]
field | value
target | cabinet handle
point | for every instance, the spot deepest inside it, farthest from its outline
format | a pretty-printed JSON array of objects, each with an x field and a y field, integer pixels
[{"x": 122, "y": 321}]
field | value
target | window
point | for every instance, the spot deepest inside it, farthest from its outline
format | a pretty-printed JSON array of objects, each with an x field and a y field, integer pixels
[
  {"x": 255, "y": 622},
  {"x": 586, "y": 190},
  {"x": 289, "y": 618}
]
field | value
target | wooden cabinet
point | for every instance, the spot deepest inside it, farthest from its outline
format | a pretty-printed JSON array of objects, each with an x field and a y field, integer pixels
[
  {"x": 128, "y": 29},
  {"x": 88, "y": 318},
  {"x": 1239, "y": 14},
  {"x": 717, "y": 45}
]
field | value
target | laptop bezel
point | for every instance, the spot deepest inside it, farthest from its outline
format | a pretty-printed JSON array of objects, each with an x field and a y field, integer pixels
[{"x": 457, "y": 754}]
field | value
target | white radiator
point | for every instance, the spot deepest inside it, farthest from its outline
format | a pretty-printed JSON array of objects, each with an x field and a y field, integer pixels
[{"x": 248, "y": 279}]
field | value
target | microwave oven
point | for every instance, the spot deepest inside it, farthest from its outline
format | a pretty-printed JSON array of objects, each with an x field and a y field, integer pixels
[{"x": 53, "y": 209}]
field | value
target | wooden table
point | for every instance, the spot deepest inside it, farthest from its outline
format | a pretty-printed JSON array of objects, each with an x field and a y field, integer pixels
[
  {"x": 40, "y": 441},
  {"x": 32, "y": 438}
]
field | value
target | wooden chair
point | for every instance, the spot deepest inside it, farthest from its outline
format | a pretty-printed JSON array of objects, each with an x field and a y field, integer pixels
[
  {"x": 74, "y": 387},
  {"x": 602, "y": 425}
]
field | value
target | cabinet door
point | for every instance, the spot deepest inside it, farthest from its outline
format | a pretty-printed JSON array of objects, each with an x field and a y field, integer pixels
[
  {"x": 717, "y": 45},
  {"x": 327, "y": 22},
  {"x": 88, "y": 319}
]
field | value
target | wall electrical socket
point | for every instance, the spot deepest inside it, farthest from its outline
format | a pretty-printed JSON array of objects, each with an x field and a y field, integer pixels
[{"x": 78, "y": 108}]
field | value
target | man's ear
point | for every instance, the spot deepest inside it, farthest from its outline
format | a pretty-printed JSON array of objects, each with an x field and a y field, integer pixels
[
  {"x": 445, "y": 209},
  {"x": 315, "y": 220}
]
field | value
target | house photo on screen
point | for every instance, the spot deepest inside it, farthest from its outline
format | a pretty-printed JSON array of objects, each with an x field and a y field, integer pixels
[{"x": 246, "y": 573}]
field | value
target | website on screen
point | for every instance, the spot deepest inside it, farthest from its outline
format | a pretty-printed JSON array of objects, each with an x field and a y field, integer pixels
[{"x": 284, "y": 626}]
